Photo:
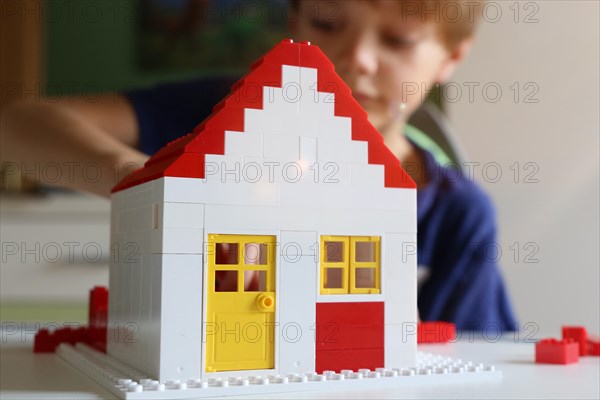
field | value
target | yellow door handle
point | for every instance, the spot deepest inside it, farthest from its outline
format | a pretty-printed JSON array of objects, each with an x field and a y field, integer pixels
[{"x": 265, "y": 302}]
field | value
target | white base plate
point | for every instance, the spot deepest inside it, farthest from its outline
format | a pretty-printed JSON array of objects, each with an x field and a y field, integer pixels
[{"x": 127, "y": 383}]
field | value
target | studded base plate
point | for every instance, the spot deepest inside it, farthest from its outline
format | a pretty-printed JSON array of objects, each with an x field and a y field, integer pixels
[{"x": 127, "y": 383}]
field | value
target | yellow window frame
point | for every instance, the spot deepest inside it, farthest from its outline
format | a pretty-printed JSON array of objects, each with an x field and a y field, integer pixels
[
  {"x": 326, "y": 265},
  {"x": 374, "y": 265},
  {"x": 349, "y": 265},
  {"x": 241, "y": 267}
]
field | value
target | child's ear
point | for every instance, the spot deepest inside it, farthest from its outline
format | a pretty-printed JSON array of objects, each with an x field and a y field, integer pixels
[{"x": 455, "y": 57}]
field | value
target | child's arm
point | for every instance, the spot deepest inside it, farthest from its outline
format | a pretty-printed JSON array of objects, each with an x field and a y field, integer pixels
[{"x": 90, "y": 143}]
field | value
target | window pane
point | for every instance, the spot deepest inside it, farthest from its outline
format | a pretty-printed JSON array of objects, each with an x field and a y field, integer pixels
[
  {"x": 255, "y": 254},
  {"x": 334, "y": 251},
  {"x": 365, "y": 252},
  {"x": 226, "y": 253},
  {"x": 364, "y": 278},
  {"x": 255, "y": 281},
  {"x": 226, "y": 281},
  {"x": 333, "y": 278}
]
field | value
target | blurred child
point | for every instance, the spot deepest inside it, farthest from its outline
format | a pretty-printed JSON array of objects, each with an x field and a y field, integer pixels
[{"x": 377, "y": 47}]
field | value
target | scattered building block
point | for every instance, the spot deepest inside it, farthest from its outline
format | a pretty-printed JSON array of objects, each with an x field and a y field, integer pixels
[
  {"x": 593, "y": 348},
  {"x": 435, "y": 332},
  {"x": 579, "y": 335},
  {"x": 46, "y": 341},
  {"x": 552, "y": 351},
  {"x": 98, "y": 317}
]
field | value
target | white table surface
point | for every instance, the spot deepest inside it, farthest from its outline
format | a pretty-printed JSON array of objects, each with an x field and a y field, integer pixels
[{"x": 24, "y": 375}]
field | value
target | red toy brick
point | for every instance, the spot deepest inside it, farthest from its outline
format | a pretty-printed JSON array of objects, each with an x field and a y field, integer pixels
[
  {"x": 593, "y": 345},
  {"x": 44, "y": 342},
  {"x": 337, "y": 360},
  {"x": 355, "y": 313},
  {"x": 226, "y": 119},
  {"x": 435, "y": 332},
  {"x": 98, "y": 319},
  {"x": 331, "y": 337},
  {"x": 349, "y": 336},
  {"x": 98, "y": 308},
  {"x": 94, "y": 334},
  {"x": 185, "y": 157},
  {"x": 579, "y": 335},
  {"x": 212, "y": 141},
  {"x": 361, "y": 129},
  {"x": 248, "y": 91},
  {"x": 349, "y": 326},
  {"x": 552, "y": 351}
]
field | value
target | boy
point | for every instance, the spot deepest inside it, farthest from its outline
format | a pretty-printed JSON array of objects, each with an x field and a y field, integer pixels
[{"x": 378, "y": 47}]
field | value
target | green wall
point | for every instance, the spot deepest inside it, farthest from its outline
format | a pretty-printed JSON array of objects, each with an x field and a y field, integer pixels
[{"x": 91, "y": 46}]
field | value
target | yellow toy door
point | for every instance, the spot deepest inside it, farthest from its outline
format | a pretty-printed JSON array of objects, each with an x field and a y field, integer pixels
[{"x": 240, "y": 321}]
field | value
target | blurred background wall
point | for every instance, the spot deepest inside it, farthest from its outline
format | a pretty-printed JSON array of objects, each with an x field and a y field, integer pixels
[
  {"x": 542, "y": 135},
  {"x": 132, "y": 43},
  {"x": 524, "y": 106}
]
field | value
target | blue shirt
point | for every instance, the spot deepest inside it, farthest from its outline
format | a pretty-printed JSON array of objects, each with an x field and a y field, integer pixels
[
  {"x": 457, "y": 245},
  {"x": 456, "y": 229}
]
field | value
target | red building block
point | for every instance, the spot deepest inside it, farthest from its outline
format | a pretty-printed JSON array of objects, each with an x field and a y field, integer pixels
[
  {"x": 98, "y": 319},
  {"x": 579, "y": 335},
  {"x": 95, "y": 334},
  {"x": 593, "y": 348},
  {"x": 552, "y": 351},
  {"x": 44, "y": 342},
  {"x": 98, "y": 307},
  {"x": 337, "y": 360},
  {"x": 435, "y": 332},
  {"x": 349, "y": 334},
  {"x": 348, "y": 326}
]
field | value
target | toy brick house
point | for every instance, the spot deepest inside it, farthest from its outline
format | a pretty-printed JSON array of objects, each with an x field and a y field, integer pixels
[{"x": 278, "y": 236}]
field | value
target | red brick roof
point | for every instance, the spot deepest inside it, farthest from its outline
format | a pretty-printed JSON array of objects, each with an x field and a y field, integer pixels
[{"x": 184, "y": 157}]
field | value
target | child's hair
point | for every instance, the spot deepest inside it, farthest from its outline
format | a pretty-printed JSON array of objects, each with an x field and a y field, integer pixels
[{"x": 457, "y": 19}]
